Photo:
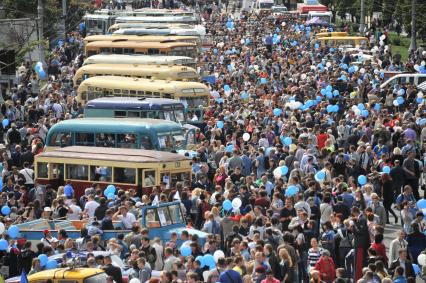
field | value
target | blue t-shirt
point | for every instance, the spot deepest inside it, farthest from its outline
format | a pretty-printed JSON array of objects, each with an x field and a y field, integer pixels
[
  {"x": 230, "y": 276},
  {"x": 68, "y": 191}
]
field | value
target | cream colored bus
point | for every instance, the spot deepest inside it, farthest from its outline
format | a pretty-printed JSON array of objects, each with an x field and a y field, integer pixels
[
  {"x": 141, "y": 60},
  {"x": 156, "y": 72},
  {"x": 193, "y": 95},
  {"x": 142, "y": 38},
  {"x": 146, "y": 48},
  {"x": 118, "y": 26}
]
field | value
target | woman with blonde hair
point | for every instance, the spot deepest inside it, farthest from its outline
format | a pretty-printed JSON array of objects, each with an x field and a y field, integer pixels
[
  {"x": 216, "y": 215},
  {"x": 61, "y": 191},
  {"x": 286, "y": 266}
]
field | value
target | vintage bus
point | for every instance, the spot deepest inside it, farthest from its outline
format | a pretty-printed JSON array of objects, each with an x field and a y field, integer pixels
[
  {"x": 145, "y": 48},
  {"x": 155, "y": 72},
  {"x": 141, "y": 38},
  {"x": 125, "y": 168},
  {"x": 141, "y": 60},
  {"x": 118, "y": 26},
  {"x": 199, "y": 32},
  {"x": 150, "y": 134},
  {"x": 331, "y": 34},
  {"x": 194, "y": 95},
  {"x": 165, "y": 19},
  {"x": 338, "y": 41},
  {"x": 136, "y": 107}
]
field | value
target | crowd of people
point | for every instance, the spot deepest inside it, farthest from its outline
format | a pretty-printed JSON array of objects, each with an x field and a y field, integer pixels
[{"x": 318, "y": 155}]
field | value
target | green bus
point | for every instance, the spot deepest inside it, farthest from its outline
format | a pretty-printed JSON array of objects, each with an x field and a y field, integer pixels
[{"x": 149, "y": 134}]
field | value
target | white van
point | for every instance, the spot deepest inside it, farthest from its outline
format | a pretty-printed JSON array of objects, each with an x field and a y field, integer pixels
[
  {"x": 324, "y": 16},
  {"x": 262, "y": 6},
  {"x": 401, "y": 79}
]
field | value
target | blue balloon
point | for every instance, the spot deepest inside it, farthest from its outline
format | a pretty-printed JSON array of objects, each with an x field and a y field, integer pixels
[
  {"x": 329, "y": 95},
  {"x": 220, "y": 124},
  {"x": 382, "y": 75},
  {"x": 377, "y": 107},
  {"x": 111, "y": 196},
  {"x": 316, "y": 46},
  {"x": 387, "y": 169},
  {"x": 263, "y": 80},
  {"x": 416, "y": 269},
  {"x": 43, "y": 259},
  {"x": 200, "y": 258},
  {"x": 331, "y": 50},
  {"x": 185, "y": 250},
  {"x": 362, "y": 180},
  {"x": 294, "y": 43},
  {"x": 287, "y": 141},
  {"x": 329, "y": 108},
  {"x": 277, "y": 111},
  {"x": 320, "y": 176},
  {"x": 343, "y": 77},
  {"x": 351, "y": 70},
  {"x": 336, "y": 92},
  {"x": 421, "y": 204},
  {"x": 284, "y": 170},
  {"x": 308, "y": 28},
  {"x": 318, "y": 98},
  {"x": 230, "y": 148},
  {"x": 400, "y": 100},
  {"x": 419, "y": 100},
  {"x": 291, "y": 191},
  {"x": 361, "y": 106},
  {"x": 5, "y": 122},
  {"x": 227, "y": 205},
  {"x": 3, "y": 245},
  {"x": 364, "y": 113},
  {"x": 42, "y": 74},
  {"x": 226, "y": 88},
  {"x": 268, "y": 151},
  {"x": 323, "y": 91},
  {"x": 13, "y": 231},
  {"x": 335, "y": 108},
  {"x": 5, "y": 210},
  {"x": 215, "y": 51},
  {"x": 329, "y": 88},
  {"x": 244, "y": 95},
  {"x": 51, "y": 264},
  {"x": 220, "y": 100},
  {"x": 345, "y": 66},
  {"x": 209, "y": 260}
]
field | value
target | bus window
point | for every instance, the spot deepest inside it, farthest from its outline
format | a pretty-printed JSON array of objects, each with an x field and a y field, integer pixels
[
  {"x": 105, "y": 140},
  {"x": 57, "y": 170},
  {"x": 164, "y": 216},
  {"x": 149, "y": 178},
  {"x": 60, "y": 139},
  {"x": 179, "y": 115},
  {"x": 42, "y": 171},
  {"x": 86, "y": 139},
  {"x": 133, "y": 114},
  {"x": 100, "y": 173},
  {"x": 126, "y": 141},
  {"x": 165, "y": 141},
  {"x": 120, "y": 114},
  {"x": 77, "y": 172},
  {"x": 179, "y": 140},
  {"x": 124, "y": 175},
  {"x": 152, "y": 51},
  {"x": 146, "y": 143},
  {"x": 168, "y": 115},
  {"x": 180, "y": 177}
]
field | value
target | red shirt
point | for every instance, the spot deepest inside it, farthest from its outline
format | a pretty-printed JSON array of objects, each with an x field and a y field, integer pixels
[
  {"x": 381, "y": 251},
  {"x": 321, "y": 138}
]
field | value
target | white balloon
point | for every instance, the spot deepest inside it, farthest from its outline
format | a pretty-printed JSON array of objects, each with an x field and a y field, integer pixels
[
  {"x": 303, "y": 76},
  {"x": 295, "y": 105},
  {"x": 1, "y": 228},
  {"x": 218, "y": 254},
  {"x": 421, "y": 259},
  {"x": 134, "y": 280},
  {"x": 423, "y": 63},
  {"x": 382, "y": 37},
  {"x": 283, "y": 24},
  {"x": 277, "y": 172},
  {"x": 420, "y": 94},
  {"x": 417, "y": 67},
  {"x": 313, "y": 68},
  {"x": 362, "y": 70},
  {"x": 236, "y": 203},
  {"x": 242, "y": 41},
  {"x": 246, "y": 136},
  {"x": 395, "y": 103},
  {"x": 354, "y": 107},
  {"x": 357, "y": 112}
]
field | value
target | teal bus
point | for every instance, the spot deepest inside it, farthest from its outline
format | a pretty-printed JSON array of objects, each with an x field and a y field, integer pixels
[{"x": 149, "y": 134}]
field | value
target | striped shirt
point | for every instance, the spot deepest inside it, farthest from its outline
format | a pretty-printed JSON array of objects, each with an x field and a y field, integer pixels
[{"x": 314, "y": 256}]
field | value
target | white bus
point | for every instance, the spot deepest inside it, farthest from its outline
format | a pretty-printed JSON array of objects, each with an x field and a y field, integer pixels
[{"x": 141, "y": 60}]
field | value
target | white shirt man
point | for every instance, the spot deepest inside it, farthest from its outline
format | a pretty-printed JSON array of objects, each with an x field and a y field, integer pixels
[
  {"x": 126, "y": 218},
  {"x": 76, "y": 211},
  {"x": 90, "y": 207},
  {"x": 396, "y": 245}
]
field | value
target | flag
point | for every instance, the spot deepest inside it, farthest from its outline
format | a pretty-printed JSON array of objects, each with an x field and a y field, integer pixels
[{"x": 24, "y": 278}]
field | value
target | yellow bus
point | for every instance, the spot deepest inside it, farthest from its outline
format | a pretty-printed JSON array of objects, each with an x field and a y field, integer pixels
[
  {"x": 331, "y": 34},
  {"x": 118, "y": 26},
  {"x": 194, "y": 95},
  {"x": 142, "y": 38},
  {"x": 141, "y": 60},
  {"x": 155, "y": 72},
  {"x": 125, "y": 168},
  {"x": 338, "y": 41},
  {"x": 147, "y": 48},
  {"x": 75, "y": 275}
]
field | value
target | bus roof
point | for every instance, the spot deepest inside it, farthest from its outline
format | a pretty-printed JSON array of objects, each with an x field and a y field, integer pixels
[
  {"x": 135, "y": 37},
  {"x": 136, "y": 44},
  {"x": 116, "y": 125},
  {"x": 154, "y": 69},
  {"x": 131, "y": 83},
  {"x": 137, "y": 103},
  {"x": 135, "y": 59},
  {"x": 341, "y": 37},
  {"x": 61, "y": 273},
  {"x": 113, "y": 154},
  {"x": 159, "y": 31},
  {"x": 153, "y": 19}
]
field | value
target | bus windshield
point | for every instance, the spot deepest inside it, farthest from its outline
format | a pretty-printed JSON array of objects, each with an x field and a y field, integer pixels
[
  {"x": 171, "y": 140},
  {"x": 266, "y": 5}
]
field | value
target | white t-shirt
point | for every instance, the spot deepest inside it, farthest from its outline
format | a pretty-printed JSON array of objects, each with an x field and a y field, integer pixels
[
  {"x": 75, "y": 215},
  {"x": 29, "y": 175},
  {"x": 90, "y": 207},
  {"x": 128, "y": 220}
]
